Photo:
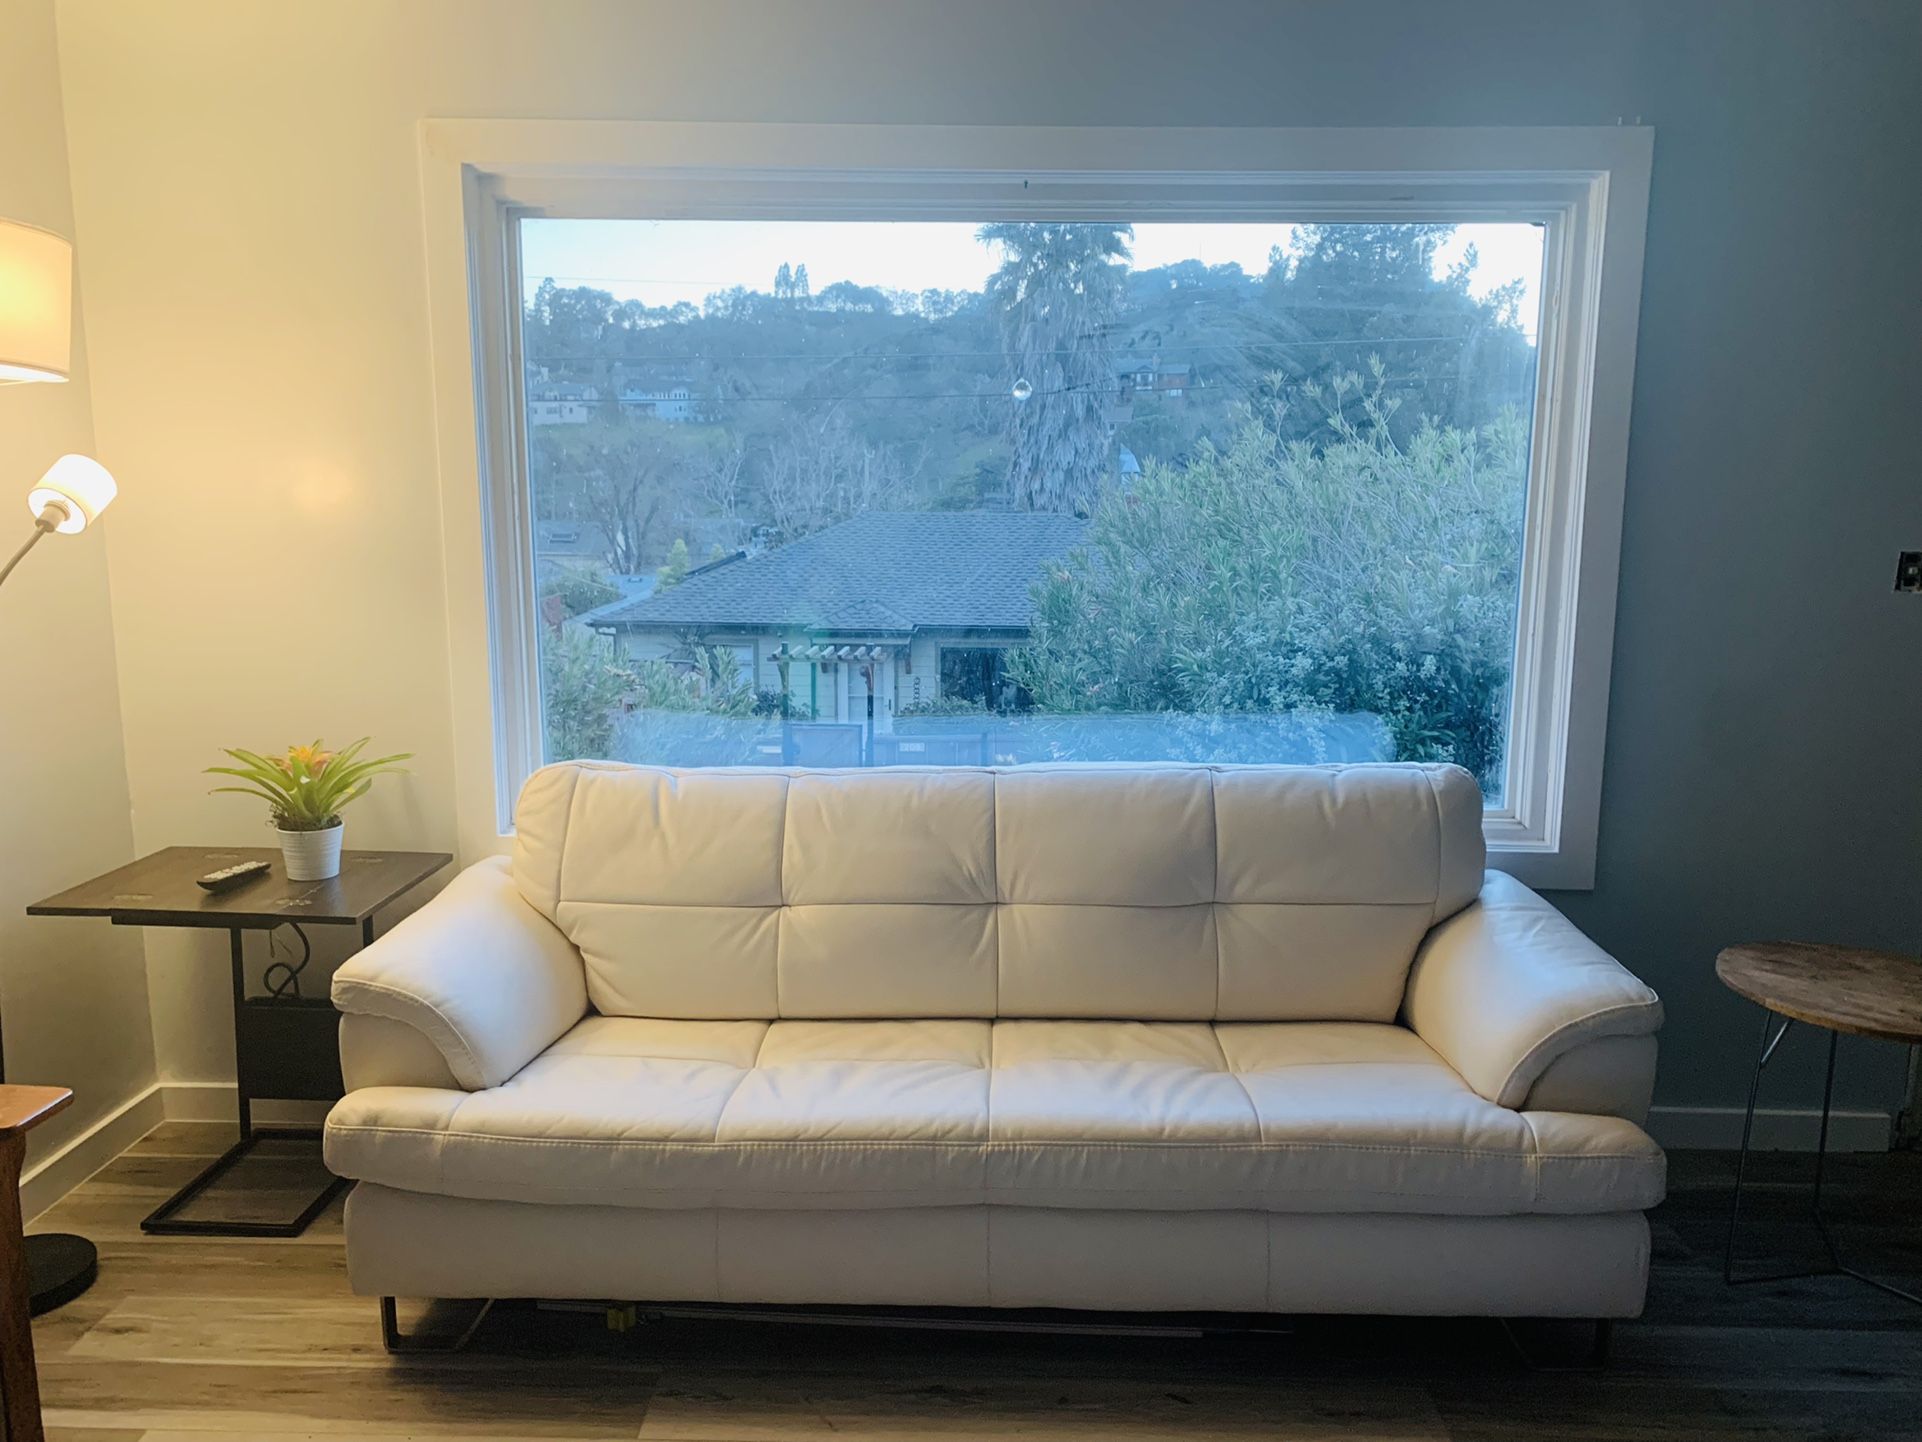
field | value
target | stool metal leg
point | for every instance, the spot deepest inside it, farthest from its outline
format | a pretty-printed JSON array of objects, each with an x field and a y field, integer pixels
[
  {"x": 1748, "y": 1129},
  {"x": 1835, "y": 1267}
]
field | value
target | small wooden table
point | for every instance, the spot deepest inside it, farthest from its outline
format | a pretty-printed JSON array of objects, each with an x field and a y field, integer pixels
[
  {"x": 21, "y": 1110},
  {"x": 1841, "y": 989},
  {"x": 286, "y": 1046}
]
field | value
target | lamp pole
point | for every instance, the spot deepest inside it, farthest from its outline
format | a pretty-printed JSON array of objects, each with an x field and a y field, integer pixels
[
  {"x": 60, "y": 1265},
  {"x": 48, "y": 522}
]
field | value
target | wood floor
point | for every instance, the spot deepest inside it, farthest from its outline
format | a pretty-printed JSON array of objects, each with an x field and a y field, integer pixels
[{"x": 190, "y": 1340}]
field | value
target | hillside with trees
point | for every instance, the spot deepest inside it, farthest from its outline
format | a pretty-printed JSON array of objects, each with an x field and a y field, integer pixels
[{"x": 814, "y": 406}]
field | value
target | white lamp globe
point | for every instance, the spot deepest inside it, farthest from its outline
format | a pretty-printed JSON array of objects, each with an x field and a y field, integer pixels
[{"x": 77, "y": 485}]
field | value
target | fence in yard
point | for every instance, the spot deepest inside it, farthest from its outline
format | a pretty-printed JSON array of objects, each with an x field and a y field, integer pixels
[{"x": 692, "y": 739}]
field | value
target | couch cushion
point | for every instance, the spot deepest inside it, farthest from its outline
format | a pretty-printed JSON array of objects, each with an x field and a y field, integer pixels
[
  {"x": 1284, "y": 1117},
  {"x": 1167, "y": 893}
]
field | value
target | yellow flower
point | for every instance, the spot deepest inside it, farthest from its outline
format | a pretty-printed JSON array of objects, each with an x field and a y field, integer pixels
[{"x": 312, "y": 757}]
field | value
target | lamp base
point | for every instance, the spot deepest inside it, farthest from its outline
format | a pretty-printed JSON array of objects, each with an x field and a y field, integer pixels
[{"x": 60, "y": 1266}]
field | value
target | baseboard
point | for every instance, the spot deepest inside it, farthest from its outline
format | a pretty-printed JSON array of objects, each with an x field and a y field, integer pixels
[
  {"x": 219, "y": 1102},
  {"x": 1777, "y": 1129},
  {"x": 59, "y": 1172}
]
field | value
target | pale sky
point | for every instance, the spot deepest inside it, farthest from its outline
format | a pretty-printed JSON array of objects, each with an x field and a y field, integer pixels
[{"x": 661, "y": 262}]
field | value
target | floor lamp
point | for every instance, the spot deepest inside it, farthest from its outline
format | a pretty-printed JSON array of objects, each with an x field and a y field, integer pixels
[{"x": 36, "y": 317}]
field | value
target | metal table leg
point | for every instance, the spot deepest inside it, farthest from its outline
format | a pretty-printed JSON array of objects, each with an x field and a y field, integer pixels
[
  {"x": 1836, "y": 1266},
  {"x": 164, "y": 1220}
]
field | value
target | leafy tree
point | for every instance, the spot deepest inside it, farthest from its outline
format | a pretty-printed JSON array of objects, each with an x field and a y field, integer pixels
[
  {"x": 581, "y": 588},
  {"x": 845, "y": 295},
  {"x": 1362, "y": 575},
  {"x": 1058, "y": 295},
  {"x": 1345, "y": 295},
  {"x": 673, "y": 570}
]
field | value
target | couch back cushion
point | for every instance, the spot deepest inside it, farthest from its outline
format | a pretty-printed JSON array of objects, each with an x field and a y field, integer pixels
[{"x": 1177, "y": 893}]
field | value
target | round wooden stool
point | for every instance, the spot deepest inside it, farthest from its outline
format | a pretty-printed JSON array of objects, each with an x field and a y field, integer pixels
[{"x": 1840, "y": 989}]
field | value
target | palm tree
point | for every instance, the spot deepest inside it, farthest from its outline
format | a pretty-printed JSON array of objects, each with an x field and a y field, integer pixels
[{"x": 1058, "y": 295}]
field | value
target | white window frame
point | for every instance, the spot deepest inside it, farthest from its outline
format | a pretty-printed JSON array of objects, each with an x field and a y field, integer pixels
[{"x": 1587, "y": 187}]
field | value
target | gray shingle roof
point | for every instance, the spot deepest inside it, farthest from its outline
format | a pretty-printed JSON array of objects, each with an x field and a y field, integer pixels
[{"x": 886, "y": 571}]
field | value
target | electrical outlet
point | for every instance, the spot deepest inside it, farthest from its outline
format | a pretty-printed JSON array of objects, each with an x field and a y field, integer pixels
[{"x": 1908, "y": 571}]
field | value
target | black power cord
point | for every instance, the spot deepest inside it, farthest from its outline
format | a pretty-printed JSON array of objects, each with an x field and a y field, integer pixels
[{"x": 282, "y": 978}]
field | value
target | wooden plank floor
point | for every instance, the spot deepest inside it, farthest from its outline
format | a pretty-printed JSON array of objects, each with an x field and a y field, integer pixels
[{"x": 212, "y": 1340}]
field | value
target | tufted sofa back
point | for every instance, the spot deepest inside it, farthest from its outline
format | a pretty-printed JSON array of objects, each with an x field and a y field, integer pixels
[{"x": 1169, "y": 893}]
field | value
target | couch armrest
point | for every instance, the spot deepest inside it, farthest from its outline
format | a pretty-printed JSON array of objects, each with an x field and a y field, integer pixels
[
  {"x": 478, "y": 972},
  {"x": 376, "y": 1052},
  {"x": 1506, "y": 986}
]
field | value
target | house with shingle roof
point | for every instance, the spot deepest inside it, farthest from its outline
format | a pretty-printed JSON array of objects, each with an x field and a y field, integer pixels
[{"x": 887, "y": 610}]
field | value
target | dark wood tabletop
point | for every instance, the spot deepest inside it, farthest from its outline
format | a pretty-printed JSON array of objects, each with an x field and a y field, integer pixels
[
  {"x": 160, "y": 890},
  {"x": 1843, "y": 988}
]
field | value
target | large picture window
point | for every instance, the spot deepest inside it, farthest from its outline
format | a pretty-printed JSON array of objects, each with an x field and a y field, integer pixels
[
  {"x": 863, "y": 447},
  {"x": 1045, "y": 490}
]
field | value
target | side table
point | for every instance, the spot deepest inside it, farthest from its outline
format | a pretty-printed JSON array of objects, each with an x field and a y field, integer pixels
[
  {"x": 1840, "y": 989},
  {"x": 285, "y": 1048}
]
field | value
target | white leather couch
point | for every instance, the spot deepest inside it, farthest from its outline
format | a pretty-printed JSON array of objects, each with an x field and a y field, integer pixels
[{"x": 1128, "y": 1037}]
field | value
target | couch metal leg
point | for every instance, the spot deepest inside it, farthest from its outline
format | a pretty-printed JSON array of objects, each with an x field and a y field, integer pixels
[
  {"x": 446, "y": 1342},
  {"x": 1601, "y": 1347}
]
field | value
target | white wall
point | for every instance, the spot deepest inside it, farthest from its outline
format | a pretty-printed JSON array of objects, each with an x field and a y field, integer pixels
[
  {"x": 73, "y": 994},
  {"x": 249, "y": 207}
]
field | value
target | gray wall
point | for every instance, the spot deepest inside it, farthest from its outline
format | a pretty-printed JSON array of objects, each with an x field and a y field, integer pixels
[{"x": 1764, "y": 768}]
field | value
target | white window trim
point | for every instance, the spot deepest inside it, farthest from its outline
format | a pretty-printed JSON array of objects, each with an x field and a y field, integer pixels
[{"x": 1589, "y": 187}]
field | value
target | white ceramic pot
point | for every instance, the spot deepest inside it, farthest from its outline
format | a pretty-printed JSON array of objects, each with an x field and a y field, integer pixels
[{"x": 312, "y": 855}]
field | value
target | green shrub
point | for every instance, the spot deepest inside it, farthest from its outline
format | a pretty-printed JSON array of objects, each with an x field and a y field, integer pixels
[
  {"x": 1357, "y": 575},
  {"x": 582, "y": 686},
  {"x": 944, "y": 706},
  {"x": 588, "y": 685}
]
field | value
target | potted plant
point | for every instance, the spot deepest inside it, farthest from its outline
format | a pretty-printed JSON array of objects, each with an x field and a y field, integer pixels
[{"x": 306, "y": 789}]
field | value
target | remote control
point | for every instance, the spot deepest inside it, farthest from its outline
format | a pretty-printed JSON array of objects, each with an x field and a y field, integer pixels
[{"x": 229, "y": 877}]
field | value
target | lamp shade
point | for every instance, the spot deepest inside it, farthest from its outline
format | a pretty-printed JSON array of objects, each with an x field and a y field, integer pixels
[
  {"x": 78, "y": 484},
  {"x": 36, "y": 303}
]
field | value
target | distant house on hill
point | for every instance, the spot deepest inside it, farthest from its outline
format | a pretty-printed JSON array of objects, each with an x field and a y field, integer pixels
[
  {"x": 670, "y": 401},
  {"x": 1154, "y": 375},
  {"x": 852, "y": 623},
  {"x": 559, "y": 403}
]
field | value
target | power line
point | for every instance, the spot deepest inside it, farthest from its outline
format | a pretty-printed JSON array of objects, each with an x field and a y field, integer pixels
[
  {"x": 816, "y": 305},
  {"x": 1001, "y": 395},
  {"x": 703, "y": 402},
  {"x": 1195, "y": 347}
]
